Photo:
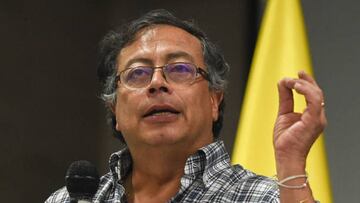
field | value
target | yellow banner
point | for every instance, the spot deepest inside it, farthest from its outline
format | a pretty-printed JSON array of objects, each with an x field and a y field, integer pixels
[{"x": 281, "y": 50}]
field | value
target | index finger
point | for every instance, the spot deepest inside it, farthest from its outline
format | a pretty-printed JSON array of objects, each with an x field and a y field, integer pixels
[{"x": 286, "y": 100}]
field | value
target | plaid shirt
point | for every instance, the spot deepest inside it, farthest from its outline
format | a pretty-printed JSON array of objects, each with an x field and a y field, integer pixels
[{"x": 208, "y": 177}]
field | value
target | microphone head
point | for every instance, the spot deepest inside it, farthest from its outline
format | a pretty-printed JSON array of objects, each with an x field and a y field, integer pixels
[{"x": 82, "y": 180}]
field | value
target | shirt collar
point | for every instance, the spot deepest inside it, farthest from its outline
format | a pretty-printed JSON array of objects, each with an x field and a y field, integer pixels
[
  {"x": 120, "y": 164},
  {"x": 208, "y": 161}
]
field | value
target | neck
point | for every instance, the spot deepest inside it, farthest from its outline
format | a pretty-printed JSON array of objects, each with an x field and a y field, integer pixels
[{"x": 157, "y": 171}]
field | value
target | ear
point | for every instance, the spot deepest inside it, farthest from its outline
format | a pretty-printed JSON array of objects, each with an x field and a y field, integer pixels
[
  {"x": 112, "y": 108},
  {"x": 216, "y": 98}
]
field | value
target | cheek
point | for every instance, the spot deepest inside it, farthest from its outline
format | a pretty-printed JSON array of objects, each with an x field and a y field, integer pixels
[
  {"x": 199, "y": 104},
  {"x": 126, "y": 110}
]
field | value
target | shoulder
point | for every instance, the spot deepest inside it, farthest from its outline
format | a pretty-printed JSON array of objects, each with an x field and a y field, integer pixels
[
  {"x": 59, "y": 196},
  {"x": 244, "y": 185}
]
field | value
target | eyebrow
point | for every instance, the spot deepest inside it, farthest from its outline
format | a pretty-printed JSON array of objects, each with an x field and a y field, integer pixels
[
  {"x": 168, "y": 57},
  {"x": 179, "y": 54},
  {"x": 138, "y": 60}
]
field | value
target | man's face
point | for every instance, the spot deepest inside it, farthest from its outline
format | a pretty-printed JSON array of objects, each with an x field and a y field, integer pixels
[{"x": 163, "y": 113}]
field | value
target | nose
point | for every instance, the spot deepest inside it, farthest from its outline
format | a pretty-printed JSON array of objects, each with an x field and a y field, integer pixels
[{"x": 158, "y": 83}]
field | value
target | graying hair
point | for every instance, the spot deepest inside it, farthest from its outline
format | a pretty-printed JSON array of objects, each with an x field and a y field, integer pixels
[{"x": 115, "y": 41}]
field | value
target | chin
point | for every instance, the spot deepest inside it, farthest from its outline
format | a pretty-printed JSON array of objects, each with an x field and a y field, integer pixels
[{"x": 163, "y": 138}]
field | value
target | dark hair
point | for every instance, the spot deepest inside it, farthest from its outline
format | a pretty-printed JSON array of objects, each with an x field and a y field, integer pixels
[{"x": 115, "y": 41}]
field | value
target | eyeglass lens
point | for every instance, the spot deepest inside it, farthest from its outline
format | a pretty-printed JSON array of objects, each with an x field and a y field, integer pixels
[{"x": 176, "y": 72}]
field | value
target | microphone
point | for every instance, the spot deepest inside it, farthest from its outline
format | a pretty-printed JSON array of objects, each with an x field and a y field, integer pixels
[{"x": 82, "y": 181}]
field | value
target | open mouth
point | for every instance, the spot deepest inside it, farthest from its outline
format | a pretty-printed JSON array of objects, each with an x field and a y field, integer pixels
[{"x": 159, "y": 111}]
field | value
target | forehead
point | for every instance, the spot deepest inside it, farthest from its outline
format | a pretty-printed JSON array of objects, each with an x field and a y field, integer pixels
[{"x": 159, "y": 44}]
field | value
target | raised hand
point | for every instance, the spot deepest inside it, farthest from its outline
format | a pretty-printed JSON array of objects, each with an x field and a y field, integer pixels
[{"x": 294, "y": 133}]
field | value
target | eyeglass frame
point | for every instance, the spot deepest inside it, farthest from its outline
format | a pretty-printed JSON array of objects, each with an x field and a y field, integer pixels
[{"x": 198, "y": 71}]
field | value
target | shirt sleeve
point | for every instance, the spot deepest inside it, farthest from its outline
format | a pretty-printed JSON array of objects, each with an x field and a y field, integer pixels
[{"x": 60, "y": 196}]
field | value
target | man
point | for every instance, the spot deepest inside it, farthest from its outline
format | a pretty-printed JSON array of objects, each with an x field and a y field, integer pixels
[{"x": 164, "y": 84}]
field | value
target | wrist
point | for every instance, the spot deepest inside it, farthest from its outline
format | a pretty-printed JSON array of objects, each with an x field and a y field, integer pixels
[{"x": 289, "y": 166}]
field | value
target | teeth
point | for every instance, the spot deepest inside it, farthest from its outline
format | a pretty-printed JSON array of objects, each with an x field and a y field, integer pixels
[{"x": 161, "y": 113}]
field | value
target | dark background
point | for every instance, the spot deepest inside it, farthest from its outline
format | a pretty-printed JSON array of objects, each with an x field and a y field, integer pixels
[{"x": 50, "y": 113}]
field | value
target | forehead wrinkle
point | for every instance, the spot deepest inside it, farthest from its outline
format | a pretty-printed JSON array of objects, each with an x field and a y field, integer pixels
[
  {"x": 145, "y": 48},
  {"x": 151, "y": 44},
  {"x": 140, "y": 56}
]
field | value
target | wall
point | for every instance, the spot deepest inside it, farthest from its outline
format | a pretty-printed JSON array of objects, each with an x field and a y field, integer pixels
[
  {"x": 50, "y": 111},
  {"x": 334, "y": 35},
  {"x": 50, "y": 114}
]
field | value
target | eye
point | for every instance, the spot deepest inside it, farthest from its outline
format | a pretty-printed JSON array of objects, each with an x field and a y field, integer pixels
[
  {"x": 181, "y": 68},
  {"x": 181, "y": 72},
  {"x": 136, "y": 74}
]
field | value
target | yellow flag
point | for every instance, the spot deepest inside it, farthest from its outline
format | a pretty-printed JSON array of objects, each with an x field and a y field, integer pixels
[{"x": 281, "y": 50}]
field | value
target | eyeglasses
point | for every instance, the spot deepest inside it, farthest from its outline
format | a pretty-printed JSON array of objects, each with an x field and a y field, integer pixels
[{"x": 177, "y": 73}]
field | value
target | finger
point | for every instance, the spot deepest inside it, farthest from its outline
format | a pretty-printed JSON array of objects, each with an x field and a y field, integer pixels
[
  {"x": 323, "y": 119},
  {"x": 286, "y": 100},
  {"x": 303, "y": 75},
  {"x": 313, "y": 95}
]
